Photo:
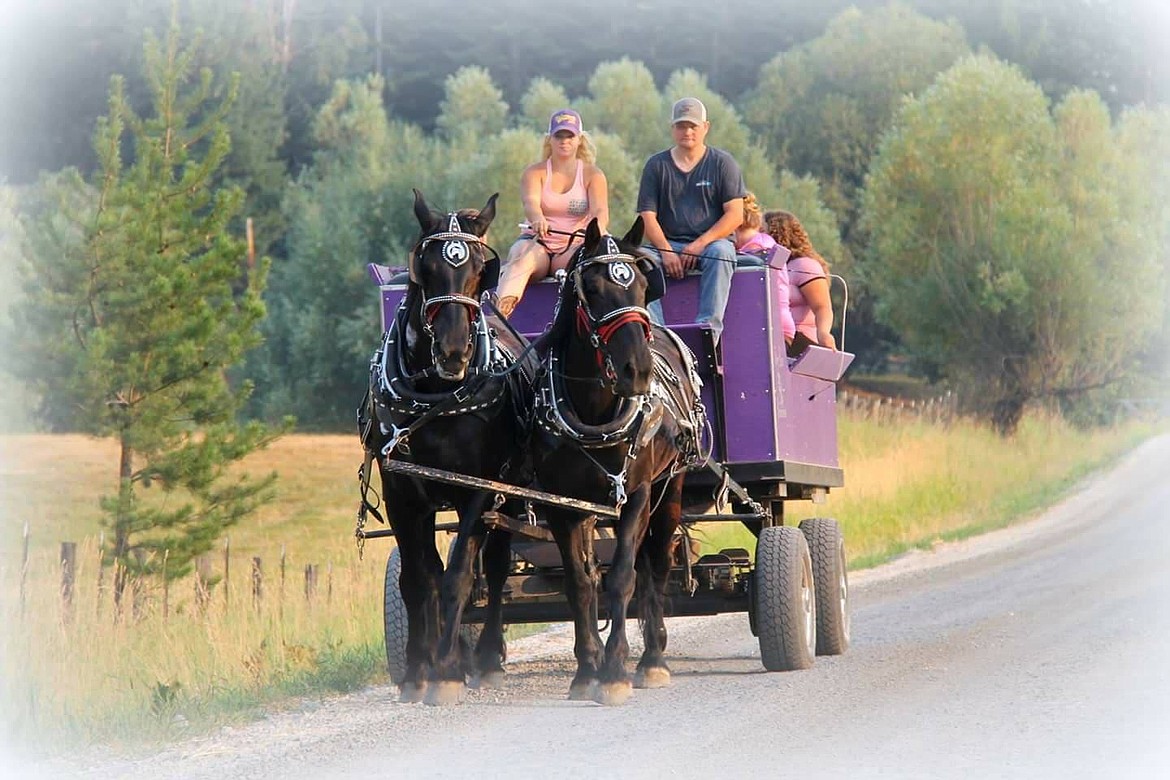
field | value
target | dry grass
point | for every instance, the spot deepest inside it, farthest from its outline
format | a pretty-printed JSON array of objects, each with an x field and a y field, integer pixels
[
  {"x": 54, "y": 483},
  {"x": 84, "y": 676},
  {"x": 81, "y": 675},
  {"x": 910, "y": 483}
]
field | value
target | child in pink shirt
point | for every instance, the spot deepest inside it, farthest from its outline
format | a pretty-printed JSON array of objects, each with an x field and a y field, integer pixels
[{"x": 753, "y": 247}]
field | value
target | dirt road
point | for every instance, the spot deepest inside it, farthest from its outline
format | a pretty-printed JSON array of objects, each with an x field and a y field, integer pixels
[{"x": 1039, "y": 651}]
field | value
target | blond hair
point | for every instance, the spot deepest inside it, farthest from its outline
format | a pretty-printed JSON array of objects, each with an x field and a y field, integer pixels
[
  {"x": 789, "y": 233},
  {"x": 586, "y": 151},
  {"x": 753, "y": 218}
]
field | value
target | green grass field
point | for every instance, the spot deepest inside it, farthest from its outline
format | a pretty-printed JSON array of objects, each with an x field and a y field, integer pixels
[{"x": 77, "y": 675}]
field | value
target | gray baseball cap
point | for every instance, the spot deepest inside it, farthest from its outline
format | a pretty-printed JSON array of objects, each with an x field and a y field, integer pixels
[{"x": 688, "y": 109}]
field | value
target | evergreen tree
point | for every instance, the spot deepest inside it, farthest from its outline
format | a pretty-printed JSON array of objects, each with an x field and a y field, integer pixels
[{"x": 137, "y": 302}]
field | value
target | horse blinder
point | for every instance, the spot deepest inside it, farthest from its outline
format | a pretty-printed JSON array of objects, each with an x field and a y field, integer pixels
[{"x": 655, "y": 279}]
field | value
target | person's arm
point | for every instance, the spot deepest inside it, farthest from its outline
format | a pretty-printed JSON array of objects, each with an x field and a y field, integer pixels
[
  {"x": 530, "y": 184},
  {"x": 816, "y": 293},
  {"x": 730, "y": 188},
  {"x": 598, "y": 190},
  {"x": 648, "y": 205},
  {"x": 652, "y": 232},
  {"x": 731, "y": 219}
]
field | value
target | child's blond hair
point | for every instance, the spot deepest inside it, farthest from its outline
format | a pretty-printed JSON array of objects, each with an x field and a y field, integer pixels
[{"x": 753, "y": 218}]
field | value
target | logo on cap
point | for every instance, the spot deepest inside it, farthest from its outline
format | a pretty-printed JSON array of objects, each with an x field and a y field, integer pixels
[
  {"x": 688, "y": 110},
  {"x": 564, "y": 119}
]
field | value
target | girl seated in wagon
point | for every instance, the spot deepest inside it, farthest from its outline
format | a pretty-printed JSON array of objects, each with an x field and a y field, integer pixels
[{"x": 781, "y": 241}]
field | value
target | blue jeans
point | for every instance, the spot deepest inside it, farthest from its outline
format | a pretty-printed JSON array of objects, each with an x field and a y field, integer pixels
[{"x": 716, "y": 265}]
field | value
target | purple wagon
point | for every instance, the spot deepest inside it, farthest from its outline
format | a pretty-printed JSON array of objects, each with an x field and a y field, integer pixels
[{"x": 773, "y": 439}]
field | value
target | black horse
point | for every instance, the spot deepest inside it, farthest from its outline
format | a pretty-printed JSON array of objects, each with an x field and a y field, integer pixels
[
  {"x": 619, "y": 421},
  {"x": 446, "y": 392}
]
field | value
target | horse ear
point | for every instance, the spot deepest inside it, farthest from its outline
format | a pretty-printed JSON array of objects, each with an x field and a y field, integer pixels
[
  {"x": 635, "y": 233},
  {"x": 592, "y": 236},
  {"x": 422, "y": 212},
  {"x": 484, "y": 219}
]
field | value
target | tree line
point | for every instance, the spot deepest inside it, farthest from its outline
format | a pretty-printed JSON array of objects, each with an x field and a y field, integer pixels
[{"x": 1009, "y": 244}]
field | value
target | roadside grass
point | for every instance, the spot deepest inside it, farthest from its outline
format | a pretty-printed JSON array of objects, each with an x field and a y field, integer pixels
[
  {"x": 910, "y": 484},
  {"x": 76, "y": 675}
]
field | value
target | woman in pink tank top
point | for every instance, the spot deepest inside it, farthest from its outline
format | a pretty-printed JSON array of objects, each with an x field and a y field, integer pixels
[{"x": 560, "y": 194}]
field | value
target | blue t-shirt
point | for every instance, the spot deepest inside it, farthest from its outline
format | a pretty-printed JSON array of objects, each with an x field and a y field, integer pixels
[{"x": 687, "y": 204}]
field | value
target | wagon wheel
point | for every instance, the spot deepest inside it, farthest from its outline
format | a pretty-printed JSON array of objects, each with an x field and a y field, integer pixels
[
  {"x": 827, "y": 546},
  {"x": 396, "y": 624},
  {"x": 395, "y": 619},
  {"x": 785, "y": 601}
]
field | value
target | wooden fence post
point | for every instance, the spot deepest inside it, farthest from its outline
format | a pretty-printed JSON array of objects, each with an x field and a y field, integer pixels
[
  {"x": 227, "y": 562},
  {"x": 257, "y": 583},
  {"x": 139, "y": 585},
  {"x": 202, "y": 583},
  {"x": 280, "y": 596},
  {"x": 166, "y": 583},
  {"x": 310, "y": 581},
  {"x": 68, "y": 570},
  {"x": 101, "y": 572}
]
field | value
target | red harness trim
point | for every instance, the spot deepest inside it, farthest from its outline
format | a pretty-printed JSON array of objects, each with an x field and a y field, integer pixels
[
  {"x": 432, "y": 311},
  {"x": 605, "y": 332}
]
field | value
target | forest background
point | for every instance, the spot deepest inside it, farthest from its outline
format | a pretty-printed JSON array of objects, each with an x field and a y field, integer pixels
[{"x": 1052, "y": 111}]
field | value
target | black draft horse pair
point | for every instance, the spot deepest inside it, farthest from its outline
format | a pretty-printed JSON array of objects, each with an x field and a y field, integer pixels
[
  {"x": 619, "y": 421},
  {"x": 448, "y": 389}
]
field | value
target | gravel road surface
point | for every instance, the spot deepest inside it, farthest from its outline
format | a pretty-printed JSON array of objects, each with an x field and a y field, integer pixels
[{"x": 1038, "y": 651}]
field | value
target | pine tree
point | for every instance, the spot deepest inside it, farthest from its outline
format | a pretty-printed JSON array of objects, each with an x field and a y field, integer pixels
[{"x": 138, "y": 302}]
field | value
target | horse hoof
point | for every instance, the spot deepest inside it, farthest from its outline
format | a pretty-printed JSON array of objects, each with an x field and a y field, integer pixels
[
  {"x": 443, "y": 693},
  {"x": 583, "y": 691},
  {"x": 412, "y": 693},
  {"x": 490, "y": 680},
  {"x": 652, "y": 677},
  {"x": 614, "y": 693}
]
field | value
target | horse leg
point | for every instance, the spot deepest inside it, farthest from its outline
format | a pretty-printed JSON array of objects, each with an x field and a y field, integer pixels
[
  {"x": 447, "y": 679},
  {"x": 572, "y": 537},
  {"x": 654, "y": 564},
  {"x": 419, "y": 585},
  {"x": 615, "y": 686},
  {"x": 492, "y": 650}
]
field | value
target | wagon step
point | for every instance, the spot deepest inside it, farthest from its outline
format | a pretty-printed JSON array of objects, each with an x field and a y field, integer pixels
[{"x": 728, "y": 485}]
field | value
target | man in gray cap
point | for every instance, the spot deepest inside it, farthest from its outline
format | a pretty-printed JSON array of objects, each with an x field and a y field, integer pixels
[{"x": 691, "y": 200}]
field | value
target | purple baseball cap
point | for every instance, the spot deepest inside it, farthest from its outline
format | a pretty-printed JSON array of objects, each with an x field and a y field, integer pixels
[{"x": 565, "y": 119}]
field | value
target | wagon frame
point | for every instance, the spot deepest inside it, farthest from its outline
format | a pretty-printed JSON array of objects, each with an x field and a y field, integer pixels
[{"x": 795, "y": 592}]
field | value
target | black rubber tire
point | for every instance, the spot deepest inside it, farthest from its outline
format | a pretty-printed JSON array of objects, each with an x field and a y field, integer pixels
[
  {"x": 394, "y": 620},
  {"x": 830, "y": 573},
  {"x": 785, "y": 600}
]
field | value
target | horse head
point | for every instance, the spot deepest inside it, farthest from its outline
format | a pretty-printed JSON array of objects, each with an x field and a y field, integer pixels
[
  {"x": 614, "y": 281},
  {"x": 451, "y": 267}
]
